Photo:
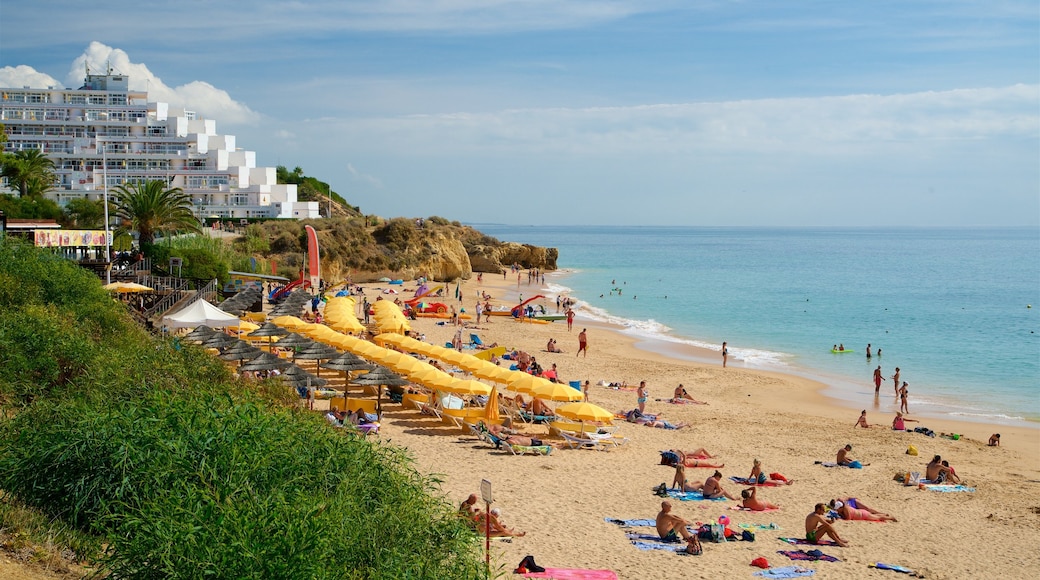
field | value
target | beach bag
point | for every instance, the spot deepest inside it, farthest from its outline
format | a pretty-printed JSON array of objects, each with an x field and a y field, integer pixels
[
  {"x": 718, "y": 533},
  {"x": 747, "y": 536},
  {"x": 669, "y": 458},
  {"x": 528, "y": 565},
  {"x": 911, "y": 450}
]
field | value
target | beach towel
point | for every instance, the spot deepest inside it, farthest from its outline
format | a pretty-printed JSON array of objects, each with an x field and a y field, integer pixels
[
  {"x": 746, "y": 481},
  {"x": 893, "y": 567},
  {"x": 804, "y": 542},
  {"x": 810, "y": 556},
  {"x": 690, "y": 496},
  {"x": 632, "y": 523},
  {"x": 649, "y": 538},
  {"x": 948, "y": 487},
  {"x": 573, "y": 574},
  {"x": 769, "y": 526},
  {"x": 647, "y": 546},
  {"x": 785, "y": 572},
  {"x": 741, "y": 508},
  {"x": 853, "y": 465}
]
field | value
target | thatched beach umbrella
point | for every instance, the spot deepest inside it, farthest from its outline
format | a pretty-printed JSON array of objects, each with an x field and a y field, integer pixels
[
  {"x": 295, "y": 376},
  {"x": 265, "y": 362},
  {"x": 317, "y": 352},
  {"x": 347, "y": 362},
  {"x": 200, "y": 333},
  {"x": 380, "y": 377},
  {"x": 268, "y": 329},
  {"x": 219, "y": 340},
  {"x": 240, "y": 352}
]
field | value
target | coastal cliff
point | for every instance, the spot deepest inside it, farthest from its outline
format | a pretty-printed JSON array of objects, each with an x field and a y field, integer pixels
[{"x": 361, "y": 249}]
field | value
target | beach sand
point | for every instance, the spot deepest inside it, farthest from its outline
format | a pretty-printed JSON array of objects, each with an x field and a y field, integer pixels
[{"x": 562, "y": 500}]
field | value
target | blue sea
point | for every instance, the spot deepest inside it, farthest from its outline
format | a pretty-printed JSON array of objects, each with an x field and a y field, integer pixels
[{"x": 949, "y": 306}]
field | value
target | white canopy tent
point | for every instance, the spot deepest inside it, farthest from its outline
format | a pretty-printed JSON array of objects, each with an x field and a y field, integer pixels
[{"x": 198, "y": 313}]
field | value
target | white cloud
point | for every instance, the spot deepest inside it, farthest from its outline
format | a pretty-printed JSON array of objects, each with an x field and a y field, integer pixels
[
  {"x": 26, "y": 76},
  {"x": 824, "y": 126},
  {"x": 198, "y": 96}
]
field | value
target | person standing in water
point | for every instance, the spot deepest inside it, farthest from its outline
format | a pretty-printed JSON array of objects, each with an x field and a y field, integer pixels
[
  {"x": 868, "y": 351},
  {"x": 895, "y": 381},
  {"x": 877, "y": 380}
]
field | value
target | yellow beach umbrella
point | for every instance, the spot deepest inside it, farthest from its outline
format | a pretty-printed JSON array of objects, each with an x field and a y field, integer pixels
[
  {"x": 525, "y": 383},
  {"x": 126, "y": 287},
  {"x": 472, "y": 363},
  {"x": 494, "y": 373},
  {"x": 582, "y": 411},
  {"x": 245, "y": 327},
  {"x": 557, "y": 392},
  {"x": 468, "y": 387},
  {"x": 491, "y": 409},
  {"x": 290, "y": 322},
  {"x": 432, "y": 378}
]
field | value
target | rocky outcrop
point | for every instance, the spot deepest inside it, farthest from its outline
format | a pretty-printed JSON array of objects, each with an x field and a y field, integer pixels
[
  {"x": 493, "y": 258},
  {"x": 446, "y": 259}
]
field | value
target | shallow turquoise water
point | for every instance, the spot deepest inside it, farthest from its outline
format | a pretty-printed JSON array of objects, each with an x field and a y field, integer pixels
[{"x": 947, "y": 305}]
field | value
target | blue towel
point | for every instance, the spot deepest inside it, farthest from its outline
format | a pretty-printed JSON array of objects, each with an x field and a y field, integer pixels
[
  {"x": 631, "y": 523},
  {"x": 947, "y": 488},
  {"x": 691, "y": 496},
  {"x": 657, "y": 546}
]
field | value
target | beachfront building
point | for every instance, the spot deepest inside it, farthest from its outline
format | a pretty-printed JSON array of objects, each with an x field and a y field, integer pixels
[{"x": 105, "y": 131}]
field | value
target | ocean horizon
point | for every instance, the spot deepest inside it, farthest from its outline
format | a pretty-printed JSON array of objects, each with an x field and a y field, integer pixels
[{"x": 955, "y": 308}]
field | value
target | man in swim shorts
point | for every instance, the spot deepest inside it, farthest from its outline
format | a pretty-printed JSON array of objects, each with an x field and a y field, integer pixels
[
  {"x": 817, "y": 527},
  {"x": 583, "y": 344},
  {"x": 713, "y": 488},
  {"x": 671, "y": 526}
]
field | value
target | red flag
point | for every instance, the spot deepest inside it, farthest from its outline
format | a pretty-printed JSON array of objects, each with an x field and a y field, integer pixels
[{"x": 313, "y": 257}]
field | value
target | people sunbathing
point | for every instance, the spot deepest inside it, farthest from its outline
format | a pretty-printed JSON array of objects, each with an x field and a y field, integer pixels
[
  {"x": 469, "y": 509},
  {"x": 818, "y": 527},
  {"x": 681, "y": 483},
  {"x": 635, "y": 416},
  {"x": 939, "y": 471},
  {"x": 680, "y": 393},
  {"x": 498, "y": 528},
  {"x": 757, "y": 477},
  {"x": 750, "y": 500},
  {"x": 862, "y": 421},
  {"x": 551, "y": 346},
  {"x": 713, "y": 489},
  {"x": 851, "y": 508},
  {"x": 696, "y": 458}
]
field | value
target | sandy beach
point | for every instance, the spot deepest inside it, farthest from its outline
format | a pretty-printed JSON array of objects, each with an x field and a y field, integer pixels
[{"x": 562, "y": 501}]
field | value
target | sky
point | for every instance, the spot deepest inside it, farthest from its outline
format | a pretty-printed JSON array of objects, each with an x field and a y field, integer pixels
[{"x": 594, "y": 112}]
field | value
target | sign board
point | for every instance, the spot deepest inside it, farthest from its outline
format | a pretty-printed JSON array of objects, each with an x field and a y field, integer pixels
[{"x": 485, "y": 491}]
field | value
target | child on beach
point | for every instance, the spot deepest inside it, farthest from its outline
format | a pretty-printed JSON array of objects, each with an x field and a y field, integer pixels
[{"x": 862, "y": 422}]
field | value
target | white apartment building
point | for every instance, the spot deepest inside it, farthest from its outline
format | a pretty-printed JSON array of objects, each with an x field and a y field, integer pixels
[{"x": 104, "y": 131}]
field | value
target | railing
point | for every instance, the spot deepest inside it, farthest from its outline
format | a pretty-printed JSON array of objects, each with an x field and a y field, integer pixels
[
  {"x": 207, "y": 292},
  {"x": 177, "y": 289}
]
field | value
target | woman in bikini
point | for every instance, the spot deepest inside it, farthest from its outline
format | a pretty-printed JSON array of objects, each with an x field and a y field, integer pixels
[
  {"x": 759, "y": 478},
  {"x": 852, "y": 509},
  {"x": 696, "y": 458},
  {"x": 681, "y": 483}
]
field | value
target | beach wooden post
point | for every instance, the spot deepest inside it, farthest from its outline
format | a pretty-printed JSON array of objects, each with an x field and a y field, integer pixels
[{"x": 485, "y": 494}]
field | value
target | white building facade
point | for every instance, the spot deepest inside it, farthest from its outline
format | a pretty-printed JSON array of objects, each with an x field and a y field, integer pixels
[{"x": 104, "y": 130}]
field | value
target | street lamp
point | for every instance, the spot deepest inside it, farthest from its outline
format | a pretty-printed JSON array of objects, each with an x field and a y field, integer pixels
[{"x": 104, "y": 194}]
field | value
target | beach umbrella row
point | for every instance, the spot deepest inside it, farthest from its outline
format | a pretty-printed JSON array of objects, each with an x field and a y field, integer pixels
[
  {"x": 339, "y": 315},
  {"x": 242, "y": 301}
]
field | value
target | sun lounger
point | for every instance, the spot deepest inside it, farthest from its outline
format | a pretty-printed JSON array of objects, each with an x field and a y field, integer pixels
[
  {"x": 428, "y": 409},
  {"x": 575, "y": 442}
]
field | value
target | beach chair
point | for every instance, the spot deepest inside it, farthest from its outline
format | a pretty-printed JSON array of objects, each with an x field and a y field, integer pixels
[
  {"x": 474, "y": 340},
  {"x": 578, "y": 442},
  {"x": 428, "y": 409},
  {"x": 608, "y": 438}
]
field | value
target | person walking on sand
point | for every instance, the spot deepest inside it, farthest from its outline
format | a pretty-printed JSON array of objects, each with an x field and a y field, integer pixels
[
  {"x": 585, "y": 390},
  {"x": 725, "y": 354},
  {"x": 570, "y": 318},
  {"x": 895, "y": 382},
  {"x": 583, "y": 344},
  {"x": 877, "y": 380},
  {"x": 903, "y": 400},
  {"x": 641, "y": 396},
  {"x": 817, "y": 527}
]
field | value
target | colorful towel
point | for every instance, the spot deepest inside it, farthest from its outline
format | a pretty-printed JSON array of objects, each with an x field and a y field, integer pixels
[
  {"x": 632, "y": 523},
  {"x": 573, "y": 574},
  {"x": 785, "y": 572},
  {"x": 690, "y": 496},
  {"x": 949, "y": 487},
  {"x": 647, "y": 538},
  {"x": 746, "y": 481},
  {"x": 804, "y": 542},
  {"x": 810, "y": 556},
  {"x": 769, "y": 526}
]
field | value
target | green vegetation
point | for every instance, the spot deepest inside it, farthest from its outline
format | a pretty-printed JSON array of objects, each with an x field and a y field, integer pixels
[
  {"x": 29, "y": 171},
  {"x": 148, "y": 458},
  {"x": 313, "y": 189},
  {"x": 150, "y": 208}
]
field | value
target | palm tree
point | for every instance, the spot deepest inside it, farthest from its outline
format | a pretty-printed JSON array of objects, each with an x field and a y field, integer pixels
[
  {"x": 148, "y": 207},
  {"x": 29, "y": 171}
]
